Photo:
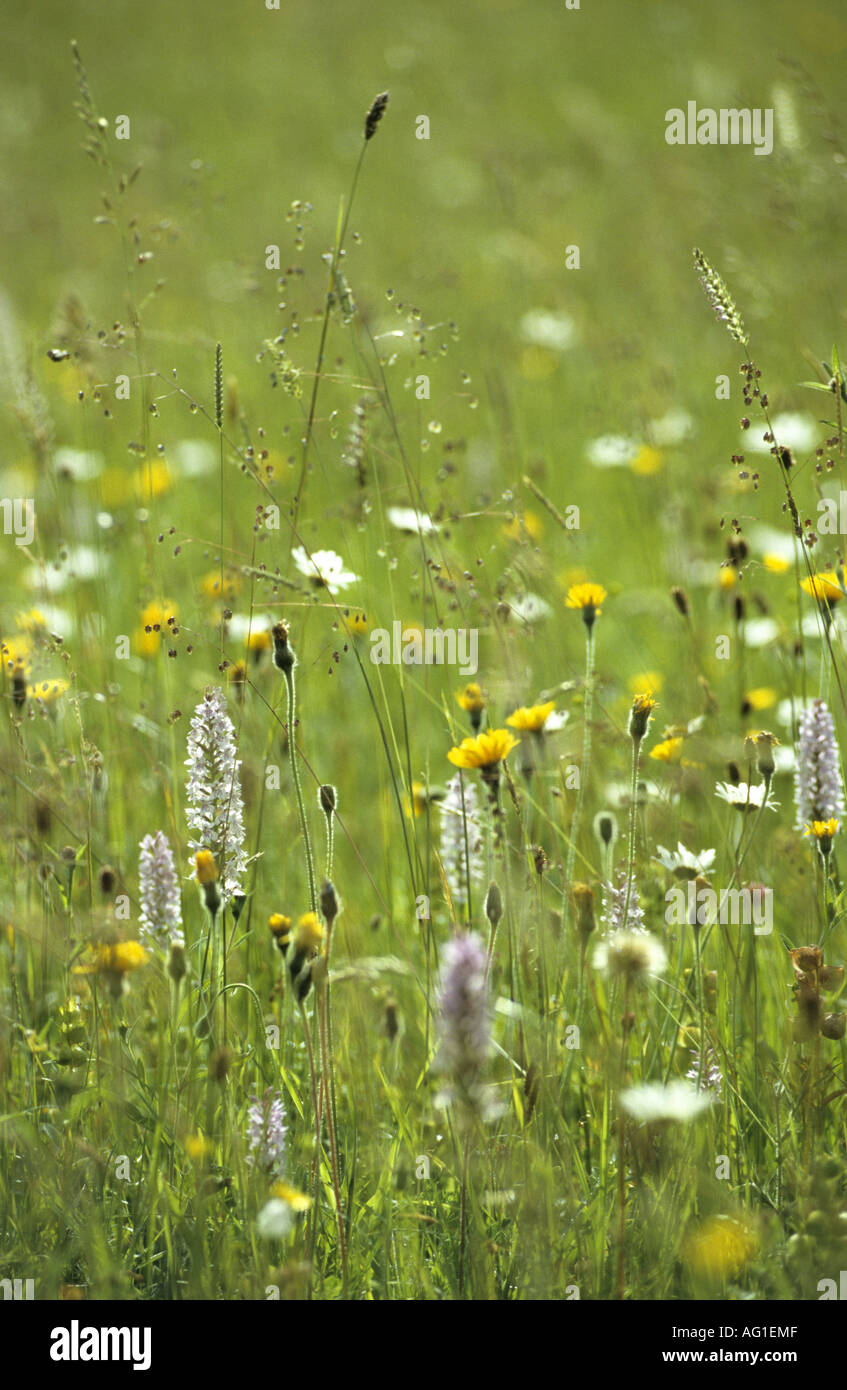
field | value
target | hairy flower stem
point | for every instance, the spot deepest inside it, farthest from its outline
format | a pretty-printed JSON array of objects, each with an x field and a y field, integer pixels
[
  {"x": 586, "y": 760},
  {"x": 633, "y": 791},
  {"x": 316, "y": 1165},
  {"x": 326, "y": 1074},
  {"x": 621, "y": 1282},
  {"x": 295, "y": 776}
]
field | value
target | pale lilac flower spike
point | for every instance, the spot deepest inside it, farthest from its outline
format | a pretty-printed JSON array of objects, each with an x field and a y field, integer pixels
[
  {"x": 465, "y": 1022},
  {"x": 818, "y": 789},
  {"x": 615, "y": 915},
  {"x": 215, "y": 810},
  {"x": 161, "y": 909},
  {"x": 266, "y": 1131}
]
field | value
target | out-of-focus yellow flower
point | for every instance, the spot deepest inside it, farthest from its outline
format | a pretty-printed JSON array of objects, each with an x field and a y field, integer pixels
[
  {"x": 648, "y": 460},
  {"x": 114, "y": 958},
  {"x": 308, "y": 933},
  {"x": 14, "y": 653},
  {"x": 647, "y": 683},
  {"x": 777, "y": 564},
  {"x": 471, "y": 699},
  {"x": 356, "y": 623},
  {"x": 527, "y": 524},
  {"x": 727, "y": 577},
  {"x": 48, "y": 691},
  {"x": 211, "y": 585},
  {"x": 719, "y": 1247},
  {"x": 298, "y": 1201},
  {"x": 154, "y": 620},
  {"x": 483, "y": 751},
  {"x": 417, "y": 803},
  {"x": 198, "y": 1147},
  {"x": 531, "y": 717},
  {"x": 259, "y": 640},
  {"x": 152, "y": 479},
  {"x": 668, "y": 751},
  {"x": 760, "y": 698},
  {"x": 826, "y": 587},
  {"x": 205, "y": 868}
]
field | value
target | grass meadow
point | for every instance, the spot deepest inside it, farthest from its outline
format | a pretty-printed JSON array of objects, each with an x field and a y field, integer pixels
[{"x": 327, "y": 971}]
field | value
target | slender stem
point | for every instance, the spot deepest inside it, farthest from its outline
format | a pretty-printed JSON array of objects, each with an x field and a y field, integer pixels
[
  {"x": 636, "y": 753},
  {"x": 295, "y": 774}
]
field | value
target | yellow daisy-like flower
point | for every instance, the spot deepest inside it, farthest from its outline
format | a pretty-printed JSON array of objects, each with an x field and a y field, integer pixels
[
  {"x": 726, "y": 577},
  {"x": 587, "y": 598},
  {"x": 647, "y": 683},
  {"x": 298, "y": 1201},
  {"x": 531, "y": 717},
  {"x": 15, "y": 652},
  {"x": 308, "y": 934},
  {"x": 776, "y": 564},
  {"x": 154, "y": 620},
  {"x": 471, "y": 699},
  {"x": 826, "y": 587},
  {"x": 205, "y": 868},
  {"x": 760, "y": 698},
  {"x": 822, "y": 829},
  {"x": 48, "y": 691},
  {"x": 259, "y": 640},
  {"x": 719, "y": 1247},
  {"x": 486, "y": 750},
  {"x": 668, "y": 751}
]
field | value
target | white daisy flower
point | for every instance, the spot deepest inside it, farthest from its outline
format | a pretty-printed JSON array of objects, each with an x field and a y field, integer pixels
[
  {"x": 745, "y": 798},
  {"x": 241, "y": 625},
  {"x": 412, "y": 522},
  {"x": 760, "y": 632},
  {"x": 324, "y": 568},
  {"x": 79, "y": 464},
  {"x": 676, "y": 1101},
  {"x": 671, "y": 428},
  {"x": 683, "y": 863}
]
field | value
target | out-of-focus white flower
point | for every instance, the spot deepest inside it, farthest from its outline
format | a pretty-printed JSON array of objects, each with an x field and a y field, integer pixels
[
  {"x": 194, "y": 457},
  {"x": 324, "y": 568},
  {"x": 744, "y": 797},
  {"x": 530, "y": 608},
  {"x": 677, "y": 1101},
  {"x": 760, "y": 632},
  {"x": 276, "y": 1219},
  {"x": 790, "y": 430},
  {"x": 630, "y": 954},
  {"x": 612, "y": 451},
  {"x": 547, "y": 329},
  {"x": 79, "y": 464},
  {"x": 412, "y": 522},
  {"x": 671, "y": 428}
]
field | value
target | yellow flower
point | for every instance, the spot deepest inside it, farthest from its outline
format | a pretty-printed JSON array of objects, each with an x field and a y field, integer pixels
[
  {"x": 587, "y": 598},
  {"x": 152, "y": 479},
  {"x": 417, "y": 803},
  {"x": 154, "y": 619},
  {"x": 648, "y": 460},
  {"x": 48, "y": 691},
  {"x": 719, "y": 1247},
  {"x": 211, "y": 584},
  {"x": 259, "y": 640},
  {"x": 826, "y": 587},
  {"x": 15, "y": 652},
  {"x": 648, "y": 683},
  {"x": 726, "y": 577},
  {"x": 775, "y": 563},
  {"x": 308, "y": 934},
  {"x": 298, "y": 1201},
  {"x": 205, "y": 867},
  {"x": 471, "y": 699},
  {"x": 117, "y": 958},
  {"x": 822, "y": 829},
  {"x": 198, "y": 1147},
  {"x": 760, "y": 698},
  {"x": 668, "y": 751},
  {"x": 483, "y": 751},
  {"x": 529, "y": 524},
  {"x": 356, "y": 623},
  {"x": 532, "y": 717},
  {"x": 32, "y": 622}
]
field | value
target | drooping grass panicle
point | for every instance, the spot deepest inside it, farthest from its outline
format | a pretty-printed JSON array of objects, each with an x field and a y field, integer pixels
[
  {"x": 215, "y": 810},
  {"x": 720, "y": 298},
  {"x": 161, "y": 909}
]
